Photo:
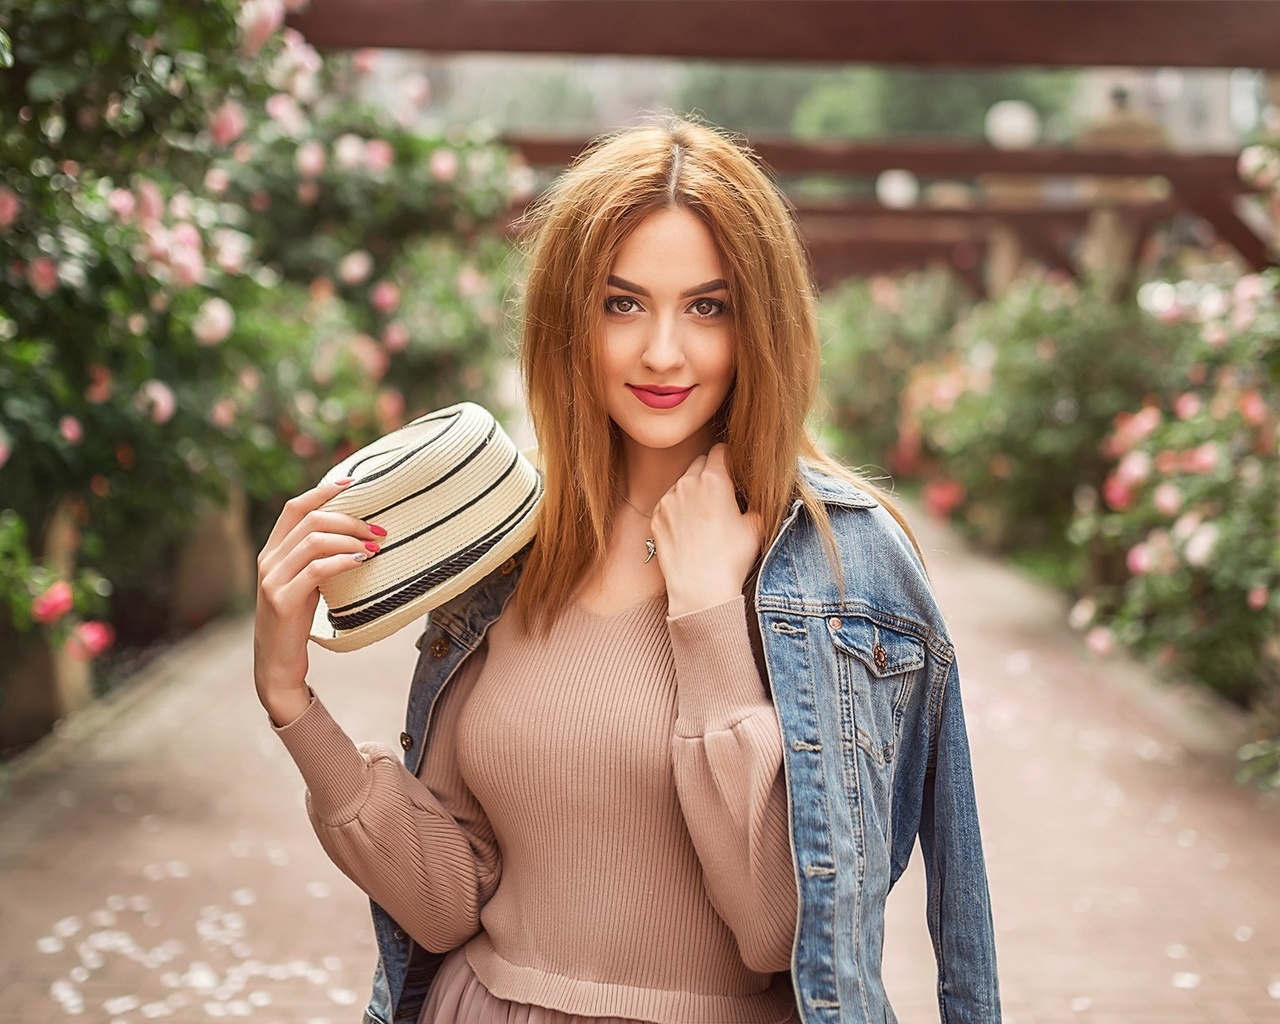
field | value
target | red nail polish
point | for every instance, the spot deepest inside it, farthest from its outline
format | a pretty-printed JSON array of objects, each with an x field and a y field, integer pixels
[
  {"x": 377, "y": 530},
  {"x": 344, "y": 481},
  {"x": 372, "y": 547}
]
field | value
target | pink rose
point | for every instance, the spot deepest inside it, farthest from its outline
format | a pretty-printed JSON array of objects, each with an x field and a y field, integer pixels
[
  {"x": 1201, "y": 459},
  {"x": 1167, "y": 499},
  {"x": 216, "y": 180},
  {"x": 259, "y": 20},
  {"x": 1116, "y": 494},
  {"x": 1258, "y": 597},
  {"x": 355, "y": 267},
  {"x": 42, "y": 275},
  {"x": 1134, "y": 468},
  {"x": 10, "y": 207},
  {"x": 122, "y": 203},
  {"x": 213, "y": 322},
  {"x": 231, "y": 250},
  {"x": 227, "y": 124},
  {"x": 5, "y": 450},
  {"x": 71, "y": 430},
  {"x": 310, "y": 159},
  {"x": 100, "y": 386},
  {"x": 1187, "y": 405},
  {"x": 385, "y": 297},
  {"x": 1201, "y": 545},
  {"x": 186, "y": 264},
  {"x": 53, "y": 603},
  {"x": 364, "y": 61},
  {"x": 89, "y": 639},
  {"x": 379, "y": 156},
  {"x": 223, "y": 413},
  {"x": 1253, "y": 407},
  {"x": 156, "y": 399},
  {"x": 443, "y": 164},
  {"x": 283, "y": 109},
  {"x": 348, "y": 151},
  {"x": 150, "y": 201},
  {"x": 395, "y": 336},
  {"x": 1139, "y": 560}
]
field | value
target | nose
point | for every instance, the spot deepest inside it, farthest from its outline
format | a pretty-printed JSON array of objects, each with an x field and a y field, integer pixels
[{"x": 664, "y": 347}]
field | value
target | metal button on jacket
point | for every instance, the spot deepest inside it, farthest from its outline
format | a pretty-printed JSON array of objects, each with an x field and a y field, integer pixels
[
  {"x": 439, "y": 647},
  {"x": 406, "y": 740}
]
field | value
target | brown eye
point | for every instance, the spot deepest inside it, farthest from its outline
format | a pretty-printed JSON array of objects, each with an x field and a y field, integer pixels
[
  {"x": 708, "y": 307},
  {"x": 620, "y": 304}
]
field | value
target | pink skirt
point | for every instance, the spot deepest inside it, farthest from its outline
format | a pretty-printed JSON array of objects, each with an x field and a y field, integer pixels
[{"x": 457, "y": 997}]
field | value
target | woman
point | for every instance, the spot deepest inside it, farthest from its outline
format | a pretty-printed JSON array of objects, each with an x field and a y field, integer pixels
[{"x": 674, "y": 779}]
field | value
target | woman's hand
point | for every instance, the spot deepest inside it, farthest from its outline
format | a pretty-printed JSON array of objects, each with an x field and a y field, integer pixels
[
  {"x": 706, "y": 547},
  {"x": 307, "y": 547}
]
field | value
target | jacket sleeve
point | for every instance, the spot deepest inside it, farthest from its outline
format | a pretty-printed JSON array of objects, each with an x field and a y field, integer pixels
[
  {"x": 422, "y": 848},
  {"x": 959, "y": 906},
  {"x": 727, "y": 755}
]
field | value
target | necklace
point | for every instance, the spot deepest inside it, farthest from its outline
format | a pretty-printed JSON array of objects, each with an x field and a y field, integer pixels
[{"x": 650, "y": 547}]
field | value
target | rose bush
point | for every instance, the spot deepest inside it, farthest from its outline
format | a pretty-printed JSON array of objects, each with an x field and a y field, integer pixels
[
  {"x": 1192, "y": 502},
  {"x": 876, "y": 332},
  {"x": 217, "y": 268},
  {"x": 1011, "y": 421}
]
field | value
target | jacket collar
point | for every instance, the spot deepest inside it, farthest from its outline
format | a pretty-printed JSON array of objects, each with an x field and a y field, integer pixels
[{"x": 834, "y": 491}]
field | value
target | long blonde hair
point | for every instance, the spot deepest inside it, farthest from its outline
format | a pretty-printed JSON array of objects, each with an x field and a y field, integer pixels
[{"x": 576, "y": 229}]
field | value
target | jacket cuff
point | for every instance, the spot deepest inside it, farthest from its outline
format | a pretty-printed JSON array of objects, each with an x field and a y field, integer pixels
[
  {"x": 337, "y": 776},
  {"x": 717, "y": 681}
]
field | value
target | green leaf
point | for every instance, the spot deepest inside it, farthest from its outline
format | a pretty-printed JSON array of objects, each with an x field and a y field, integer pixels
[{"x": 6, "y": 50}]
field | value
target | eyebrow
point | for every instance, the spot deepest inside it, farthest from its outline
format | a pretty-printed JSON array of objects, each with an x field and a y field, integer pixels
[{"x": 718, "y": 285}]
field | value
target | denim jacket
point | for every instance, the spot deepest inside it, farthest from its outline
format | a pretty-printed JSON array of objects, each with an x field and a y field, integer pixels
[{"x": 874, "y": 751}]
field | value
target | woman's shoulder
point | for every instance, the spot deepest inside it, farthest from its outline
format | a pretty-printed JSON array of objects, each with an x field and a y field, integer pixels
[{"x": 881, "y": 567}]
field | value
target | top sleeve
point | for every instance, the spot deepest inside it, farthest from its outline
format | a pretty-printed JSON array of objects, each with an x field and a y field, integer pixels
[
  {"x": 727, "y": 753},
  {"x": 422, "y": 848}
]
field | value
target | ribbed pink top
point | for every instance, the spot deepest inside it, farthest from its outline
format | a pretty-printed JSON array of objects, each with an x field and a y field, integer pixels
[{"x": 600, "y": 817}]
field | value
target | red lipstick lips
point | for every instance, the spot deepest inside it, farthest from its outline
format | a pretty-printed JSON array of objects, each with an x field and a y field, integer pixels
[{"x": 660, "y": 396}]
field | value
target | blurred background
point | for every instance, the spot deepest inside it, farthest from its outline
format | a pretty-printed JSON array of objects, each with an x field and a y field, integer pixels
[{"x": 240, "y": 239}]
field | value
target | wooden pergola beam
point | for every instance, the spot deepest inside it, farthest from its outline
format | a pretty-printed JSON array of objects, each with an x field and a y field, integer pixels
[
  {"x": 941, "y": 159},
  {"x": 834, "y": 260},
  {"x": 955, "y": 33},
  {"x": 1044, "y": 215},
  {"x": 1216, "y": 207}
]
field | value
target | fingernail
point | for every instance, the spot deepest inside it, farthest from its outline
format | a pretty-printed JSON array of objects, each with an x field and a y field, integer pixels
[
  {"x": 371, "y": 547},
  {"x": 377, "y": 530},
  {"x": 360, "y": 556},
  {"x": 344, "y": 481}
]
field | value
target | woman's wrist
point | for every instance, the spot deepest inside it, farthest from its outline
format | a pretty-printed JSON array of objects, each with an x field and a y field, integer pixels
[{"x": 285, "y": 706}]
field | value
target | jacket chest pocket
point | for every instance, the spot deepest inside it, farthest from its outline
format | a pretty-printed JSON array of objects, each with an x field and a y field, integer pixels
[{"x": 875, "y": 668}]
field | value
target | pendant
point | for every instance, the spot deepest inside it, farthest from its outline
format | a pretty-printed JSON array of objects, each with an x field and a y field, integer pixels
[{"x": 651, "y": 548}]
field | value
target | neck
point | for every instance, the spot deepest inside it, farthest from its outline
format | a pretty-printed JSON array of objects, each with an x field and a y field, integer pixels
[{"x": 648, "y": 473}]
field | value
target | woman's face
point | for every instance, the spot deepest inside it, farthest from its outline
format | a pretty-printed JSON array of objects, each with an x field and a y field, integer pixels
[{"x": 668, "y": 347}]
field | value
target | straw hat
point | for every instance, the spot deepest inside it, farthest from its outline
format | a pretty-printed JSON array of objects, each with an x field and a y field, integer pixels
[{"x": 457, "y": 500}]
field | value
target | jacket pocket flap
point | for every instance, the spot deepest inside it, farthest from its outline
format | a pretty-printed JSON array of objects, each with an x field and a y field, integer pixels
[{"x": 885, "y": 652}]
